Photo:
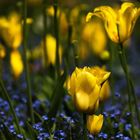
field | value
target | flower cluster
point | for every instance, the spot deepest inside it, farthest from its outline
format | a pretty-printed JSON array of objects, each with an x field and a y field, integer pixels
[{"x": 86, "y": 86}]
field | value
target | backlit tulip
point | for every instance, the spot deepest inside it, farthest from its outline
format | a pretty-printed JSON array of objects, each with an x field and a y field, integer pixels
[
  {"x": 16, "y": 63},
  {"x": 119, "y": 23},
  {"x": 84, "y": 86},
  {"x": 94, "y": 123}
]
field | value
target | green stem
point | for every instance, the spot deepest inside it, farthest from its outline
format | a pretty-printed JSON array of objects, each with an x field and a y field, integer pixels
[
  {"x": 125, "y": 69},
  {"x": 111, "y": 76},
  {"x": 56, "y": 32},
  {"x": 131, "y": 85},
  {"x": 45, "y": 33},
  {"x": 10, "y": 104},
  {"x": 26, "y": 62},
  {"x": 76, "y": 57},
  {"x": 85, "y": 137}
]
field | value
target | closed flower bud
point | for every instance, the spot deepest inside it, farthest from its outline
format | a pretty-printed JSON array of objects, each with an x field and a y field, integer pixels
[
  {"x": 94, "y": 123},
  {"x": 16, "y": 63},
  {"x": 38, "y": 52}
]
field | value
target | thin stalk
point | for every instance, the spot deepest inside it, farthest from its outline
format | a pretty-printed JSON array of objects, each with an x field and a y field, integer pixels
[
  {"x": 125, "y": 69},
  {"x": 26, "y": 62},
  {"x": 10, "y": 104},
  {"x": 111, "y": 76},
  {"x": 85, "y": 137},
  {"x": 45, "y": 33},
  {"x": 56, "y": 32},
  {"x": 131, "y": 86},
  {"x": 123, "y": 61}
]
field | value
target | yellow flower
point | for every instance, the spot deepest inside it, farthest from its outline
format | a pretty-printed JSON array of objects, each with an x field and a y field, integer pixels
[
  {"x": 94, "y": 123},
  {"x": 84, "y": 87},
  {"x": 11, "y": 30},
  {"x": 38, "y": 52},
  {"x": 119, "y": 24},
  {"x": 105, "y": 91},
  {"x": 16, "y": 63},
  {"x": 94, "y": 34}
]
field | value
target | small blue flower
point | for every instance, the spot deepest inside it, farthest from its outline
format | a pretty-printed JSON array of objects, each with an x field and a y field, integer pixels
[
  {"x": 43, "y": 136},
  {"x": 126, "y": 138},
  {"x": 105, "y": 114},
  {"x": 45, "y": 117},
  {"x": 116, "y": 125},
  {"x": 19, "y": 136},
  {"x": 117, "y": 95},
  {"x": 38, "y": 127},
  {"x": 128, "y": 127}
]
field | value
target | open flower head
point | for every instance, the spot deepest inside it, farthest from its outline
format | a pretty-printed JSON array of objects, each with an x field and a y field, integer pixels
[
  {"x": 94, "y": 123},
  {"x": 84, "y": 87},
  {"x": 11, "y": 30},
  {"x": 119, "y": 23}
]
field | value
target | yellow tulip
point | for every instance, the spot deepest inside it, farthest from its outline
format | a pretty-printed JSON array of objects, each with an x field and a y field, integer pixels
[
  {"x": 94, "y": 123},
  {"x": 105, "y": 91},
  {"x": 94, "y": 34},
  {"x": 11, "y": 30},
  {"x": 84, "y": 86},
  {"x": 38, "y": 52},
  {"x": 119, "y": 23},
  {"x": 16, "y": 63}
]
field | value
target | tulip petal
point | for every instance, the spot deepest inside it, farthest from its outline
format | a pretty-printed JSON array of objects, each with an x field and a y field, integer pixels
[
  {"x": 72, "y": 84},
  {"x": 127, "y": 19},
  {"x": 85, "y": 82},
  {"x": 108, "y": 15},
  {"x": 81, "y": 101},
  {"x": 105, "y": 91},
  {"x": 94, "y": 99},
  {"x": 88, "y": 17},
  {"x": 126, "y": 5}
]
